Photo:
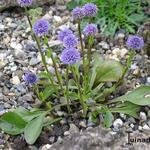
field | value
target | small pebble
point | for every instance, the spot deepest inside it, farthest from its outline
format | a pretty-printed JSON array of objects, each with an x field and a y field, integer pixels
[{"x": 117, "y": 123}]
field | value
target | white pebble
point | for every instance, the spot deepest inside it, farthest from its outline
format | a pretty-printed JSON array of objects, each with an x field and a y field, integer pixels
[
  {"x": 57, "y": 19},
  {"x": 143, "y": 116},
  {"x": 140, "y": 128},
  {"x": 118, "y": 123},
  {"x": 146, "y": 127},
  {"x": 15, "y": 80}
]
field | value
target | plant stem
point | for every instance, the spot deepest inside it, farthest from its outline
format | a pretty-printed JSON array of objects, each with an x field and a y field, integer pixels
[
  {"x": 82, "y": 47},
  {"x": 89, "y": 54},
  {"x": 56, "y": 69},
  {"x": 67, "y": 88},
  {"x": 80, "y": 92},
  {"x": 40, "y": 50}
]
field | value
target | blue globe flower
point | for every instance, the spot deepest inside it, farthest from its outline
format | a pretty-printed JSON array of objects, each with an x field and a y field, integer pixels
[
  {"x": 70, "y": 41},
  {"x": 30, "y": 78},
  {"x": 90, "y": 30},
  {"x": 41, "y": 27},
  {"x": 70, "y": 56},
  {"x": 24, "y": 3},
  {"x": 63, "y": 33},
  {"x": 77, "y": 13},
  {"x": 90, "y": 10},
  {"x": 135, "y": 42}
]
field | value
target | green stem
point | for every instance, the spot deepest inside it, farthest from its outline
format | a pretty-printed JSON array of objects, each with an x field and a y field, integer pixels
[
  {"x": 40, "y": 50},
  {"x": 67, "y": 88},
  {"x": 82, "y": 47},
  {"x": 56, "y": 69},
  {"x": 89, "y": 54},
  {"x": 80, "y": 91}
]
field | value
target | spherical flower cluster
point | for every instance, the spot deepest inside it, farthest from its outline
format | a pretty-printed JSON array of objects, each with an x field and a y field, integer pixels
[
  {"x": 63, "y": 33},
  {"x": 90, "y": 10},
  {"x": 25, "y": 3},
  {"x": 30, "y": 78},
  {"x": 77, "y": 13},
  {"x": 70, "y": 41},
  {"x": 90, "y": 30},
  {"x": 70, "y": 56},
  {"x": 41, "y": 27},
  {"x": 135, "y": 42}
]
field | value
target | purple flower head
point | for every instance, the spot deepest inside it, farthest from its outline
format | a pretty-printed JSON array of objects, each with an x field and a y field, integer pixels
[
  {"x": 70, "y": 56},
  {"x": 30, "y": 78},
  {"x": 135, "y": 42},
  {"x": 63, "y": 33},
  {"x": 77, "y": 13},
  {"x": 24, "y": 3},
  {"x": 90, "y": 10},
  {"x": 41, "y": 27},
  {"x": 90, "y": 30},
  {"x": 70, "y": 41}
]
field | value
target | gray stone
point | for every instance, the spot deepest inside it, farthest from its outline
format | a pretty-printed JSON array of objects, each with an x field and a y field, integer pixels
[
  {"x": 73, "y": 128},
  {"x": 1, "y": 96},
  {"x": 34, "y": 61},
  {"x": 4, "y": 4},
  {"x": 99, "y": 139},
  {"x": 143, "y": 116},
  {"x": 21, "y": 89}
]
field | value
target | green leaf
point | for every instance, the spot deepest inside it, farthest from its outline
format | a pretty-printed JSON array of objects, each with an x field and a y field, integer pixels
[
  {"x": 97, "y": 61},
  {"x": 10, "y": 128},
  {"x": 139, "y": 96},
  {"x": 48, "y": 91},
  {"x": 126, "y": 108},
  {"x": 72, "y": 5},
  {"x": 109, "y": 70},
  {"x": 14, "y": 119},
  {"x": 12, "y": 123},
  {"x": 28, "y": 115},
  {"x": 108, "y": 119},
  {"x": 35, "y": 13},
  {"x": 33, "y": 129}
]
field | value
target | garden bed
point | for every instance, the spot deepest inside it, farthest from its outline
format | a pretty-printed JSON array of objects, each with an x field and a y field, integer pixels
[{"x": 18, "y": 53}]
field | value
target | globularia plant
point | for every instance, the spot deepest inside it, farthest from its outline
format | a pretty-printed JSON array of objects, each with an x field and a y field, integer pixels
[{"x": 84, "y": 81}]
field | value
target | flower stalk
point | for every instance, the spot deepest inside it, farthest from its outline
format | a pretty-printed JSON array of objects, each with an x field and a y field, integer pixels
[
  {"x": 40, "y": 50},
  {"x": 67, "y": 88}
]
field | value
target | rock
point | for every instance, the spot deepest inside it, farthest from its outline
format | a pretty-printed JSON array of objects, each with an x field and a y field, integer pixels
[
  {"x": 34, "y": 61},
  {"x": 123, "y": 52},
  {"x": 82, "y": 124},
  {"x": 148, "y": 80},
  {"x": 21, "y": 89},
  {"x": 59, "y": 2},
  {"x": 117, "y": 123},
  {"x": 73, "y": 128},
  {"x": 143, "y": 116},
  {"x": 58, "y": 19},
  {"x": 4, "y": 4},
  {"x": 116, "y": 51},
  {"x": 54, "y": 43},
  {"x": 27, "y": 98},
  {"x": 104, "y": 45},
  {"x": 146, "y": 127},
  {"x": 15, "y": 80},
  {"x": 46, "y": 147},
  {"x": 1, "y": 96},
  {"x": 99, "y": 139}
]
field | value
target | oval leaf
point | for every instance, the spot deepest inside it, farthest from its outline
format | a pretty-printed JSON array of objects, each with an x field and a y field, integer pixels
[
  {"x": 109, "y": 70},
  {"x": 33, "y": 129},
  {"x": 139, "y": 96}
]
